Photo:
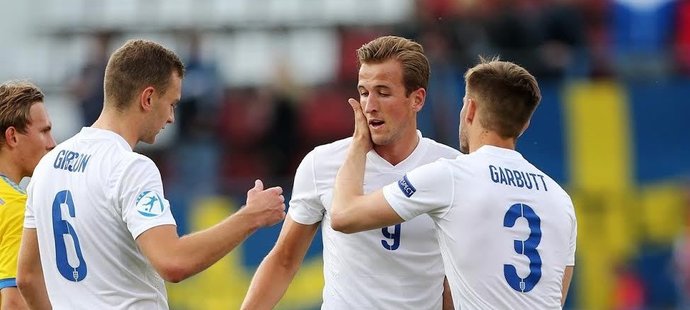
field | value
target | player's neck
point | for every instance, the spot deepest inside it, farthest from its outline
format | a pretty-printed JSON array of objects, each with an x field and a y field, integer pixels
[
  {"x": 394, "y": 153},
  {"x": 9, "y": 168},
  {"x": 120, "y": 123},
  {"x": 487, "y": 137}
]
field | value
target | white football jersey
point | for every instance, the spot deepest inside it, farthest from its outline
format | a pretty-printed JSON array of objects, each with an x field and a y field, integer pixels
[
  {"x": 397, "y": 267},
  {"x": 507, "y": 230},
  {"x": 88, "y": 200}
]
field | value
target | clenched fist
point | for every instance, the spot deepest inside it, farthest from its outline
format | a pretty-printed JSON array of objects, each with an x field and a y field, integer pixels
[{"x": 265, "y": 206}]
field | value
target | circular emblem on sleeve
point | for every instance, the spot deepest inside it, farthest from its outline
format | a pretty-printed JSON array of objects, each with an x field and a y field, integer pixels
[{"x": 150, "y": 204}]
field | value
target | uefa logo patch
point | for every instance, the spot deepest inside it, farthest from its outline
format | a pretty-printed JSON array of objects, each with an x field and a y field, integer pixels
[
  {"x": 406, "y": 187},
  {"x": 150, "y": 204}
]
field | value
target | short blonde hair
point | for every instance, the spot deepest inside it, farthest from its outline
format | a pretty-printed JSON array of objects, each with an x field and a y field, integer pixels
[{"x": 16, "y": 99}]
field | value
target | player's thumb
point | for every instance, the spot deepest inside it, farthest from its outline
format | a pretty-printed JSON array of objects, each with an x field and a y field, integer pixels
[
  {"x": 354, "y": 104},
  {"x": 258, "y": 185}
]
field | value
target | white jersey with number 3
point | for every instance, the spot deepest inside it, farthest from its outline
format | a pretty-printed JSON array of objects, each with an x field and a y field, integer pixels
[
  {"x": 397, "y": 267},
  {"x": 507, "y": 231},
  {"x": 89, "y": 199}
]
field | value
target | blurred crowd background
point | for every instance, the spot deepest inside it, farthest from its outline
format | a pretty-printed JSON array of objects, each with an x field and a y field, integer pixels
[{"x": 267, "y": 80}]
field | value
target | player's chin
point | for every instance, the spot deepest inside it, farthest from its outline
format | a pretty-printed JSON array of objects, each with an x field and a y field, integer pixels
[
  {"x": 379, "y": 139},
  {"x": 149, "y": 140}
]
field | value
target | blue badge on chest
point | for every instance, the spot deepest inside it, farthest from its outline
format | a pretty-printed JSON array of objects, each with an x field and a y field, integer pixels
[{"x": 406, "y": 187}]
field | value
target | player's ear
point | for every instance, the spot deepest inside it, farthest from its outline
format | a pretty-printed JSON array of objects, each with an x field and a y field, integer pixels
[
  {"x": 145, "y": 98},
  {"x": 471, "y": 107},
  {"x": 524, "y": 128},
  {"x": 418, "y": 97},
  {"x": 11, "y": 136}
]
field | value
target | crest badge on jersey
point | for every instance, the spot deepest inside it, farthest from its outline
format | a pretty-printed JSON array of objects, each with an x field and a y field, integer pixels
[
  {"x": 149, "y": 204},
  {"x": 406, "y": 187}
]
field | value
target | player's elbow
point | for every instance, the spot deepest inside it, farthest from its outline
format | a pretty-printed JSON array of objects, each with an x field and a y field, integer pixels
[
  {"x": 24, "y": 283},
  {"x": 342, "y": 223},
  {"x": 174, "y": 272},
  {"x": 173, "y": 275}
]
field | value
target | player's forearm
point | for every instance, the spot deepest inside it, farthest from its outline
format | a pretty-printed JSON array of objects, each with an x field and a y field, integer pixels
[
  {"x": 348, "y": 187},
  {"x": 200, "y": 250},
  {"x": 33, "y": 291},
  {"x": 11, "y": 299},
  {"x": 567, "y": 277},
  {"x": 269, "y": 284},
  {"x": 447, "y": 297}
]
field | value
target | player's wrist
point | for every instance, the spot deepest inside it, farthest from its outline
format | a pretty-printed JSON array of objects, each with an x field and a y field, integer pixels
[
  {"x": 360, "y": 147},
  {"x": 250, "y": 219}
]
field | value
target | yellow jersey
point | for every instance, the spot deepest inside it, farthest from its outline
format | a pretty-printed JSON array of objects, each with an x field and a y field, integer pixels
[{"x": 12, "y": 204}]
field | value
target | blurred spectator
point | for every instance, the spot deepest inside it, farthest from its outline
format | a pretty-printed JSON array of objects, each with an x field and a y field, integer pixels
[
  {"x": 352, "y": 38},
  {"x": 325, "y": 115},
  {"x": 87, "y": 86},
  {"x": 562, "y": 48},
  {"x": 201, "y": 92},
  {"x": 629, "y": 291},
  {"x": 682, "y": 36},
  {"x": 642, "y": 35},
  {"x": 514, "y": 33},
  {"x": 243, "y": 121},
  {"x": 596, "y": 14}
]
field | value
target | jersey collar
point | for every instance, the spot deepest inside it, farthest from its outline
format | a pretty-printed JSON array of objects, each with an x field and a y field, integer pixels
[
  {"x": 498, "y": 151},
  {"x": 103, "y": 133},
  {"x": 408, "y": 163},
  {"x": 12, "y": 184}
]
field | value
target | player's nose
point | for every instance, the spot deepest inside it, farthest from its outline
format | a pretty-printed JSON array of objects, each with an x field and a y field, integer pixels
[
  {"x": 51, "y": 142},
  {"x": 369, "y": 105}
]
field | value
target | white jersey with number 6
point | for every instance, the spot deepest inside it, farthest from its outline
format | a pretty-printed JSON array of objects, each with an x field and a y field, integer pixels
[
  {"x": 397, "y": 267},
  {"x": 89, "y": 199},
  {"x": 507, "y": 231}
]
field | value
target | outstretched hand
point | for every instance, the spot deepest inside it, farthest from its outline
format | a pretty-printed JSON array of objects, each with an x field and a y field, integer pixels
[
  {"x": 361, "y": 136},
  {"x": 266, "y": 207}
]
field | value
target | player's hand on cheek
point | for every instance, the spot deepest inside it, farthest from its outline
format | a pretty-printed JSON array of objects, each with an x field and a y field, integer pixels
[
  {"x": 266, "y": 206},
  {"x": 361, "y": 136}
]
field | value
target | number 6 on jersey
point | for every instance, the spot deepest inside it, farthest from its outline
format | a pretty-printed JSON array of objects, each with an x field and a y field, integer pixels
[{"x": 66, "y": 263}]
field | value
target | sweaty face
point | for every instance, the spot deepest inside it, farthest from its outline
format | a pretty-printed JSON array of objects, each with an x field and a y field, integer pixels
[
  {"x": 390, "y": 113},
  {"x": 36, "y": 141},
  {"x": 163, "y": 108}
]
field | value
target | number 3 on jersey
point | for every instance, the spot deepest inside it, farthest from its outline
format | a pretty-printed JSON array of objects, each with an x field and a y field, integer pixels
[
  {"x": 525, "y": 247},
  {"x": 69, "y": 268}
]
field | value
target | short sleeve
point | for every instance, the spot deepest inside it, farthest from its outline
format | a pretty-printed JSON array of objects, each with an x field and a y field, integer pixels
[
  {"x": 573, "y": 242},
  {"x": 10, "y": 238},
  {"x": 305, "y": 205},
  {"x": 426, "y": 189},
  {"x": 141, "y": 197},
  {"x": 29, "y": 218}
]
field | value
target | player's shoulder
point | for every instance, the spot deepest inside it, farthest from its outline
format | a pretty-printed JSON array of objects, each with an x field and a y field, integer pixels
[
  {"x": 439, "y": 149},
  {"x": 555, "y": 187},
  {"x": 134, "y": 160},
  {"x": 329, "y": 154},
  {"x": 338, "y": 147}
]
